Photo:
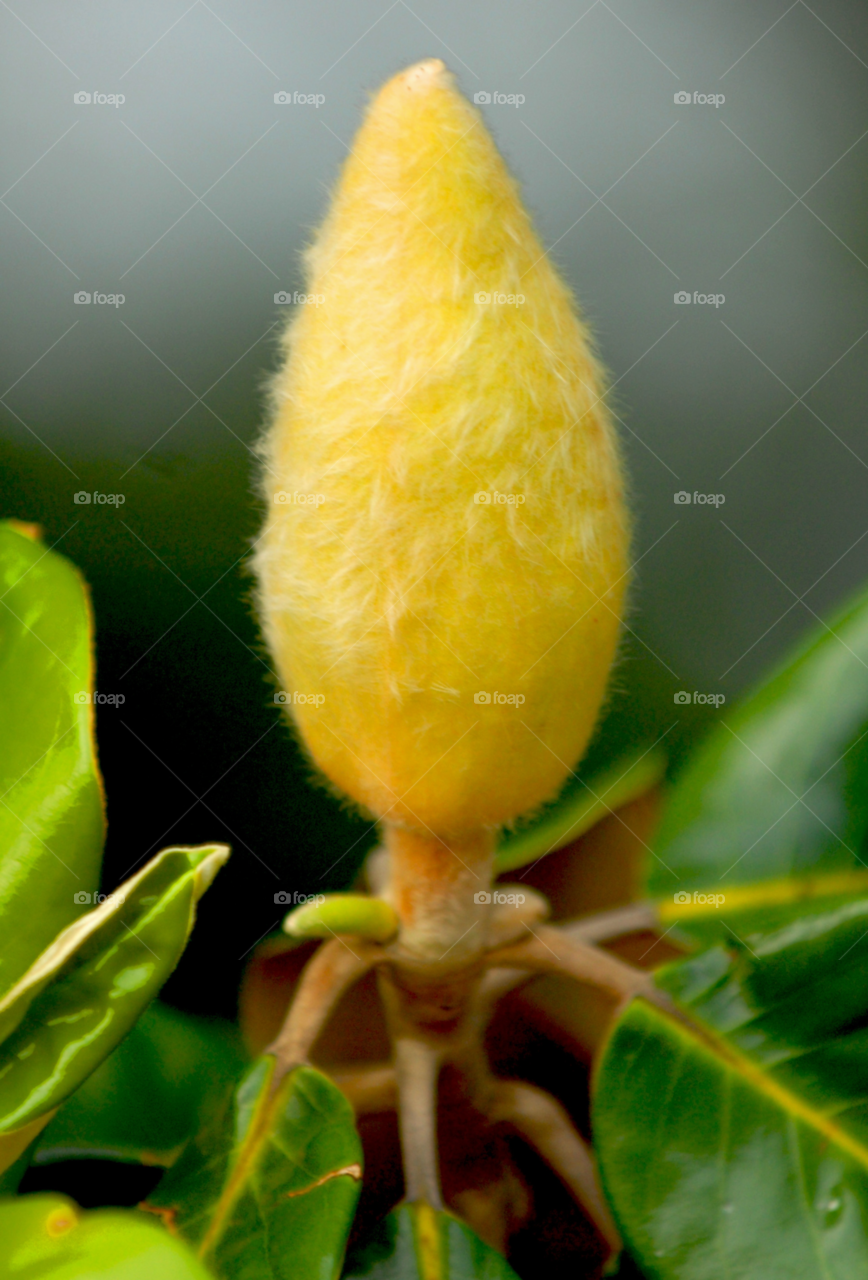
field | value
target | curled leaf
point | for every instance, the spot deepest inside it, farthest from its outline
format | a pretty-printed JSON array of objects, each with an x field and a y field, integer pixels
[{"x": 82, "y": 995}]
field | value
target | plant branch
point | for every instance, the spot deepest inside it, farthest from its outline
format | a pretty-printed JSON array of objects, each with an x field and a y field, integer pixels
[
  {"x": 549, "y": 951},
  {"x": 417, "y": 1066},
  {"x": 544, "y": 1123},
  {"x": 605, "y": 926},
  {"x": 333, "y": 969}
]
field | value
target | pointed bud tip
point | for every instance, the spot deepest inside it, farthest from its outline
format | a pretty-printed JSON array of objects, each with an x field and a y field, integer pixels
[
  {"x": 423, "y": 75},
  {"x": 417, "y": 82}
]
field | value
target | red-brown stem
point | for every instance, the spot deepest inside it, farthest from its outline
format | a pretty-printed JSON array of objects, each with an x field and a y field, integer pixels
[
  {"x": 335, "y": 967},
  {"x": 433, "y": 886}
]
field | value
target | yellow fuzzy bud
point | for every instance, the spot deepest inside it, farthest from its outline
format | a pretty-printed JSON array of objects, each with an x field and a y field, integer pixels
[{"x": 442, "y": 569}]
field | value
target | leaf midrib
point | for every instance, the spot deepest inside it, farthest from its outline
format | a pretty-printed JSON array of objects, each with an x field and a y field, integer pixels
[{"x": 741, "y": 1065}]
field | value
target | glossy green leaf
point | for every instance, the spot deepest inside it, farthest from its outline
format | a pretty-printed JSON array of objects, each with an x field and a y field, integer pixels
[
  {"x": 47, "y": 1237},
  {"x": 82, "y": 995},
  {"x": 268, "y": 1190},
  {"x": 780, "y": 787},
  {"x": 736, "y": 1143},
  {"x": 51, "y": 819},
  {"x": 417, "y": 1242},
  {"x": 580, "y": 806},
  {"x": 355, "y": 913},
  {"x": 727, "y": 912},
  {"x": 152, "y": 1094}
]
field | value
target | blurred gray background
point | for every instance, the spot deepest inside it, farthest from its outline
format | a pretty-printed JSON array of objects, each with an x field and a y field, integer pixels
[{"x": 193, "y": 198}]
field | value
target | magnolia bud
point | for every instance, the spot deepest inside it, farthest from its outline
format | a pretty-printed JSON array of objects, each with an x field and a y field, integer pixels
[{"x": 442, "y": 570}]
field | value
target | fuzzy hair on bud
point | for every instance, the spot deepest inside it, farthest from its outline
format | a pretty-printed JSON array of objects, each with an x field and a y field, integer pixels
[{"x": 442, "y": 570}]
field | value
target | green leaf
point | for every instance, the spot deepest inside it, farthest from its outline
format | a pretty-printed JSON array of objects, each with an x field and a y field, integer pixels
[
  {"x": 780, "y": 787},
  {"x": 728, "y": 912},
  {"x": 735, "y": 1143},
  {"x": 581, "y": 806},
  {"x": 417, "y": 1242},
  {"x": 269, "y": 1189},
  {"x": 152, "y": 1094},
  {"x": 46, "y": 1237},
  {"x": 82, "y": 995},
  {"x": 51, "y": 817}
]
